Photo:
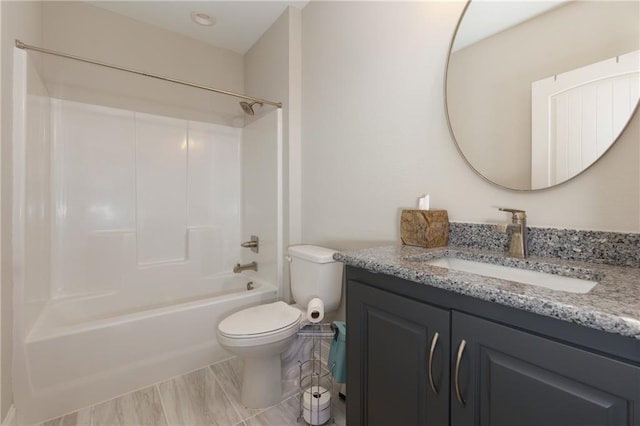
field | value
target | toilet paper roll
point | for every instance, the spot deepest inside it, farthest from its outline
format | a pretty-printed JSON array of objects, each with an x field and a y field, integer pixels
[
  {"x": 315, "y": 310},
  {"x": 315, "y": 404}
]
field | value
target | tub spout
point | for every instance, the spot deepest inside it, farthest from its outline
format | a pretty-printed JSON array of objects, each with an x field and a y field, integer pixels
[{"x": 239, "y": 268}]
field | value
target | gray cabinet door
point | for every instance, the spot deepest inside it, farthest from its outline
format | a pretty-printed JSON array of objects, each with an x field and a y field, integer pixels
[
  {"x": 510, "y": 377},
  {"x": 389, "y": 360}
]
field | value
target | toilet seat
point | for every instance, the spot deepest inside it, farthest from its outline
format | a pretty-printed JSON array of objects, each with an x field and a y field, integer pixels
[{"x": 260, "y": 324}]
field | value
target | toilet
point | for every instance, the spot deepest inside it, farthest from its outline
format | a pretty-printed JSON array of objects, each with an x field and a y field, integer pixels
[{"x": 260, "y": 334}]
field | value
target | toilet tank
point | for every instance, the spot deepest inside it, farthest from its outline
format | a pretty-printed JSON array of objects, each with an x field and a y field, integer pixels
[{"x": 314, "y": 273}]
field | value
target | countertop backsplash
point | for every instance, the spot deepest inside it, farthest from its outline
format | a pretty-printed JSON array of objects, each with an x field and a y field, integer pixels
[{"x": 609, "y": 248}]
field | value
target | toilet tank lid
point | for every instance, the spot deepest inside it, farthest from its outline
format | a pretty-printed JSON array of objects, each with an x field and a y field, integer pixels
[{"x": 312, "y": 253}]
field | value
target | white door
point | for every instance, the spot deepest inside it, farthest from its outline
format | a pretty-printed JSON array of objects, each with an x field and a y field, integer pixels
[{"x": 577, "y": 115}]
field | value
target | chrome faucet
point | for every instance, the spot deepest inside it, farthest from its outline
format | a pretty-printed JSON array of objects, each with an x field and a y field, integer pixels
[
  {"x": 239, "y": 268},
  {"x": 518, "y": 228}
]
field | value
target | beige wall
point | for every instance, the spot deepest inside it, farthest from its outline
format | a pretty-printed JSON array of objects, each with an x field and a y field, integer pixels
[
  {"x": 375, "y": 135},
  {"x": 272, "y": 71},
  {"x": 84, "y": 30},
  {"x": 19, "y": 20},
  {"x": 489, "y": 83}
]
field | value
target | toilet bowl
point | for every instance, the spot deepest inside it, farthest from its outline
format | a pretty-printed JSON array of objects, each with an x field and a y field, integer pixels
[{"x": 259, "y": 335}]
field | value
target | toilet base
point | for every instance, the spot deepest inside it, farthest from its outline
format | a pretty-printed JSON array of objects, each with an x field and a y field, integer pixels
[{"x": 261, "y": 381}]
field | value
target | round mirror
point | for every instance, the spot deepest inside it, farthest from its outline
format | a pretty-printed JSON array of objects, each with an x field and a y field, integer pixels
[{"x": 537, "y": 91}]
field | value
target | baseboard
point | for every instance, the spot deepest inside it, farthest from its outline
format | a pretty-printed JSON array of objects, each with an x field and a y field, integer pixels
[{"x": 10, "y": 419}]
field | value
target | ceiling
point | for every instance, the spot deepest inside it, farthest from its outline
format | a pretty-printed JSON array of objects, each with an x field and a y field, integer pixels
[
  {"x": 239, "y": 24},
  {"x": 484, "y": 18}
]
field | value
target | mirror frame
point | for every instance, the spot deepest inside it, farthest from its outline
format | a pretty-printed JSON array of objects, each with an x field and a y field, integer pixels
[{"x": 466, "y": 160}]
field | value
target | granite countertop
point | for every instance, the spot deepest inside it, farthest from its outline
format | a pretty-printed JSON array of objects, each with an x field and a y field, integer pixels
[{"x": 613, "y": 305}]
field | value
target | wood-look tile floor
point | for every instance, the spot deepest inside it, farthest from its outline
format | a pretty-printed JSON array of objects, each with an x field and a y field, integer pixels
[{"x": 210, "y": 396}]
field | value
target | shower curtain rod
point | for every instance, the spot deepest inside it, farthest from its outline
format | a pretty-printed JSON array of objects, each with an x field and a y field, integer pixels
[{"x": 24, "y": 46}]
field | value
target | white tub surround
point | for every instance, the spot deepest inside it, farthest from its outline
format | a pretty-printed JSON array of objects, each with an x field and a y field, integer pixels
[{"x": 126, "y": 227}]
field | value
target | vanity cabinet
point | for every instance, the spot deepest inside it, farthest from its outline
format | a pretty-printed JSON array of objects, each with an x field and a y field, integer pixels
[
  {"x": 433, "y": 360},
  {"x": 511, "y": 377},
  {"x": 403, "y": 381}
]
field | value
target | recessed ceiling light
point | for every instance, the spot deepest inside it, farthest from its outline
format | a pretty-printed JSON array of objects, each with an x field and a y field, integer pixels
[{"x": 203, "y": 18}]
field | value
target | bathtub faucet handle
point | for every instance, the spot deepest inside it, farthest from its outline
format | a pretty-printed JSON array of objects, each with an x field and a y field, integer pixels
[{"x": 253, "y": 244}]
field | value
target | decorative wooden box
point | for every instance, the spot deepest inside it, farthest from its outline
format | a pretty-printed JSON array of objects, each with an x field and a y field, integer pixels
[{"x": 424, "y": 228}]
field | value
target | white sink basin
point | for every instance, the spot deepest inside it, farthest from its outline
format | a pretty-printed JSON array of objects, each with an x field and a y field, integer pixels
[{"x": 540, "y": 279}]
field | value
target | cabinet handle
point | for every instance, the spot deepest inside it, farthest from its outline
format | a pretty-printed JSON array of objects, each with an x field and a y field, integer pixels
[
  {"x": 456, "y": 380},
  {"x": 434, "y": 343}
]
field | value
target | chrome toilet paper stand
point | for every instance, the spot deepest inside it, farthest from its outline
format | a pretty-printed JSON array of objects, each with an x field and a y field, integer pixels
[{"x": 316, "y": 379}]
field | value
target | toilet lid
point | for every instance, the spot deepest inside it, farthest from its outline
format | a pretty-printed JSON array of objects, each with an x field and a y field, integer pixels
[{"x": 260, "y": 319}]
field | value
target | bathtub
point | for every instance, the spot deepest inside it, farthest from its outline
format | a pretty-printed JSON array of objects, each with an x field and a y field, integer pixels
[{"x": 82, "y": 351}]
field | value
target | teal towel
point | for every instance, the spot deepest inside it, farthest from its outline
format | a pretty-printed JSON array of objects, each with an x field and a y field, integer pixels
[{"x": 337, "y": 362}]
